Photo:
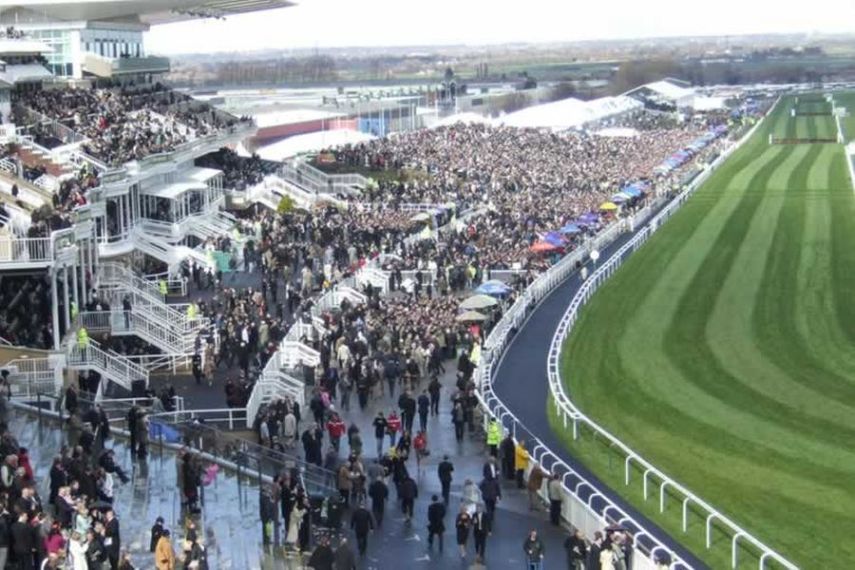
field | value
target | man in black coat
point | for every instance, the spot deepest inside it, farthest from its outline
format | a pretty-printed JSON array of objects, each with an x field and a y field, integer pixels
[
  {"x": 322, "y": 557},
  {"x": 112, "y": 539},
  {"x": 362, "y": 523},
  {"x": 23, "y": 542},
  {"x": 577, "y": 550},
  {"x": 344, "y": 558},
  {"x": 436, "y": 521},
  {"x": 507, "y": 452},
  {"x": 482, "y": 526},
  {"x": 424, "y": 407},
  {"x": 491, "y": 492},
  {"x": 133, "y": 416},
  {"x": 408, "y": 494},
  {"x": 408, "y": 410},
  {"x": 444, "y": 470},
  {"x": 379, "y": 493}
]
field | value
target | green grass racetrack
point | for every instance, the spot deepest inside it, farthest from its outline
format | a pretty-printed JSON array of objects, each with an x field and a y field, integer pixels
[{"x": 723, "y": 352}]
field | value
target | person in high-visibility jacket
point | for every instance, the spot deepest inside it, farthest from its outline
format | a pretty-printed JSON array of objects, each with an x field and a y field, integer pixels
[
  {"x": 164, "y": 288},
  {"x": 82, "y": 341},
  {"x": 192, "y": 311},
  {"x": 74, "y": 310},
  {"x": 494, "y": 436},
  {"x": 521, "y": 458}
]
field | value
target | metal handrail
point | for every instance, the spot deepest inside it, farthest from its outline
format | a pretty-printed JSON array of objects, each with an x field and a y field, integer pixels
[
  {"x": 566, "y": 408},
  {"x": 113, "y": 365}
]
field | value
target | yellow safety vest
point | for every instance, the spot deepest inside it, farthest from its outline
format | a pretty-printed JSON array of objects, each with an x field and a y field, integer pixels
[
  {"x": 164, "y": 288},
  {"x": 475, "y": 354},
  {"x": 494, "y": 433},
  {"x": 74, "y": 310},
  {"x": 191, "y": 311},
  {"x": 82, "y": 338}
]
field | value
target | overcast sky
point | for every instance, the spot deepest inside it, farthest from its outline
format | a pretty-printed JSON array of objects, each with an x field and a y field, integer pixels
[{"x": 333, "y": 23}]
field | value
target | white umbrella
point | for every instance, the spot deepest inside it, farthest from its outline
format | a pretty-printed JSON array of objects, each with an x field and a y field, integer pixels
[{"x": 479, "y": 302}]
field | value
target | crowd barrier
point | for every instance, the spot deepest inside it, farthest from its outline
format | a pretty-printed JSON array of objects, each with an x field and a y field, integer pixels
[
  {"x": 585, "y": 505},
  {"x": 567, "y": 411}
]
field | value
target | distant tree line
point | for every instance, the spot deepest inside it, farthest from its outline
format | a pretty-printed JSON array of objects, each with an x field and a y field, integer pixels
[
  {"x": 762, "y": 69},
  {"x": 311, "y": 69}
]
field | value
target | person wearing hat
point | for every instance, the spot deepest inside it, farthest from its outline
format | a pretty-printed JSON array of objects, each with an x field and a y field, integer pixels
[
  {"x": 157, "y": 531},
  {"x": 164, "y": 555}
]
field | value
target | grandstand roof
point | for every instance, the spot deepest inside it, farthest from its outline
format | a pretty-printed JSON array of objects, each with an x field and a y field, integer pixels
[
  {"x": 670, "y": 90},
  {"x": 22, "y": 47},
  {"x": 292, "y": 116},
  {"x": 311, "y": 142},
  {"x": 173, "y": 190},
  {"x": 143, "y": 11},
  {"x": 19, "y": 73},
  {"x": 462, "y": 118},
  {"x": 570, "y": 113}
]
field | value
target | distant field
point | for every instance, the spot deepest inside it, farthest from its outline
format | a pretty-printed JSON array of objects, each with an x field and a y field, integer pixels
[
  {"x": 847, "y": 100},
  {"x": 724, "y": 352},
  {"x": 806, "y": 126}
]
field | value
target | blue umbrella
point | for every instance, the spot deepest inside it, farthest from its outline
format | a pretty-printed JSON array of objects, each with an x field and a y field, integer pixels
[
  {"x": 632, "y": 191},
  {"x": 554, "y": 238},
  {"x": 571, "y": 229},
  {"x": 493, "y": 287}
]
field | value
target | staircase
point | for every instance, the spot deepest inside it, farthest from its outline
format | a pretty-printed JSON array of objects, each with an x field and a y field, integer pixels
[
  {"x": 34, "y": 156},
  {"x": 375, "y": 277},
  {"x": 139, "y": 322},
  {"x": 170, "y": 254},
  {"x": 166, "y": 326},
  {"x": 110, "y": 365},
  {"x": 213, "y": 225}
]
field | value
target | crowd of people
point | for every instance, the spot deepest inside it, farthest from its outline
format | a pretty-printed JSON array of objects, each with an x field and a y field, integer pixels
[
  {"x": 239, "y": 173},
  {"x": 528, "y": 181},
  {"x": 26, "y": 315},
  {"x": 391, "y": 349},
  {"x": 122, "y": 124}
]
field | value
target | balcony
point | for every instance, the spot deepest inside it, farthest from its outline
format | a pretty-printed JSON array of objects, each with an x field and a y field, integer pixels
[{"x": 102, "y": 66}]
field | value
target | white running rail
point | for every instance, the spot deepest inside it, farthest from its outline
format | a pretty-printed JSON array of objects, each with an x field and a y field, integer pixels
[
  {"x": 582, "y": 495},
  {"x": 567, "y": 410}
]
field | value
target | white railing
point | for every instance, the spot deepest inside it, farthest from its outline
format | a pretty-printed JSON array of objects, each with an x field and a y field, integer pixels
[
  {"x": 8, "y": 166},
  {"x": 850, "y": 162},
  {"x": 31, "y": 376},
  {"x": 581, "y": 495},
  {"x": 293, "y": 352},
  {"x": 567, "y": 410},
  {"x": 109, "y": 364},
  {"x": 116, "y": 281},
  {"x": 375, "y": 277},
  {"x": 46, "y": 182},
  {"x": 231, "y": 416},
  {"x": 26, "y": 250},
  {"x": 162, "y": 362},
  {"x": 137, "y": 322},
  {"x": 119, "y": 404}
]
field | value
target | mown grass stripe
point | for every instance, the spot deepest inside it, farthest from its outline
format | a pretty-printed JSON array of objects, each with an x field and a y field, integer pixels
[{"x": 760, "y": 446}]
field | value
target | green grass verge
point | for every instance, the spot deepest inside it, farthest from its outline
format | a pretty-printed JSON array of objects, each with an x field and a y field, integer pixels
[{"x": 723, "y": 352}]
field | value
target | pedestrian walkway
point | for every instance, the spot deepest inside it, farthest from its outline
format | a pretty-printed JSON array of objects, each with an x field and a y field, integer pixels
[{"x": 399, "y": 541}]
